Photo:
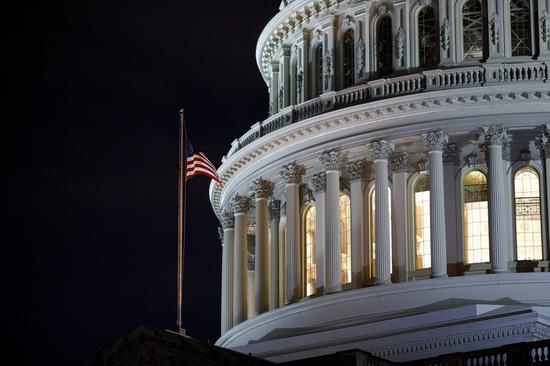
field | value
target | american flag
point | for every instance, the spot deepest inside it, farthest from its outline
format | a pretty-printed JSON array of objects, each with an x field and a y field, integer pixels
[{"x": 198, "y": 164}]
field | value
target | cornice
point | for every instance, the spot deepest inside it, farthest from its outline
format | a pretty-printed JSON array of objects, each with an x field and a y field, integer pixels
[{"x": 369, "y": 114}]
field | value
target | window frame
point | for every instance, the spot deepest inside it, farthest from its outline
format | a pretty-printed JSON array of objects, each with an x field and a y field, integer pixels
[
  {"x": 459, "y": 33},
  {"x": 415, "y": 35},
  {"x": 508, "y": 29}
]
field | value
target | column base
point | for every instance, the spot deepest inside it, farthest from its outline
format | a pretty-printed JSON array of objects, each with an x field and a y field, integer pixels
[
  {"x": 441, "y": 276},
  {"x": 496, "y": 271},
  {"x": 379, "y": 282},
  {"x": 334, "y": 290}
]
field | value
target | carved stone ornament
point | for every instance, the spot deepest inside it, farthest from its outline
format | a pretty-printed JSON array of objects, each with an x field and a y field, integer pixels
[
  {"x": 281, "y": 98},
  {"x": 494, "y": 29},
  {"x": 506, "y": 151},
  {"x": 544, "y": 22},
  {"x": 251, "y": 261},
  {"x": 495, "y": 135},
  {"x": 400, "y": 44},
  {"x": 300, "y": 83},
  {"x": 423, "y": 164},
  {"x": 332, "y": 160},
  {"x": 361, "y": 57},
  {"x": 228, "y": 220},
  {"x": 241, "y": 204},
  {"x": 444, "y": 35},
  {"x": 380, "y": 150},
  {"x": 306, "y": 195},
  {"x": 357, "y": 170},
  {"x": 399, "y": 162},
  {"x": 292, "y": 173},
  {"x": 347, "y": 21},
  {"x": 382, "y": 10},
  {"x": 274, "y": 208},
  {"x": 262, "y": 188},
  {"x": 283, "y": 209},
  {"x": 319, "y": 182},
  {"x": 543, "y": 142},
  {"x": 435, "y": 140},
  {"x": 450, "y": 154},
  {"x": 319, "y": 35},
  {"x": 471, "y": 159},
  {"x": 344, "y": 182},
  {"x": 328, "y": 63}
]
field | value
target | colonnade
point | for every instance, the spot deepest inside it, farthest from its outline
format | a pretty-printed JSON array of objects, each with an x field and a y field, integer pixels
[{"x": 326, "y": 188}]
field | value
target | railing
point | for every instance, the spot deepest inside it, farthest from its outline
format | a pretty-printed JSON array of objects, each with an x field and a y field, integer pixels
[{"x": 462, "y": 77}]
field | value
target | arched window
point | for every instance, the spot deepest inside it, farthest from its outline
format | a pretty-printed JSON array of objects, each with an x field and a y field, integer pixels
[
  {"x": 309, "y": 227},
  {"x": 372, "y": 229},
  {"x": 476, "y": 218},
  {"x": 345, "y": 237},
  {"x": 520, "y": 28},
  {"x": 319, "y": 69},
  {"x": 349, "y": 58},
  {"x": 423, "y": 257},
  {"x": 472, "y": 30},
  {"x": 428, "y": 49},
  {"x": 528, "y": 214},
  {"x": 384, "y": 46}
]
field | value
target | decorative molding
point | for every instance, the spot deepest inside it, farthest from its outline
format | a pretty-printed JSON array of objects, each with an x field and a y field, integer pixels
[
  {"x": 471, "y": 159},
  {"x": 241, "y": 204},
  {"x": 400, "y": 44},
  {"x": 262, "y": 188},
  {"x": 251, "y": 261},
  {"x": 332, "y": 160},
  {"x": 344, "y": 182},
  {"x": 327, "y": 66},
  {"x": 306, "y": 195},
  {"x": 543, "y": 142},
  {"x": 544, "y": 22},
  {"x": 274, "y": 209},
  {"x": 227, "y": 220},
  {"x": 319, "y": 182},
  {"x": 506, "y": 151},
  {"x": 423, "y": 164},
  {"x": 494, "y": 28},
  {"x": 435, "y": 140},
  {"x": 399, "y": 162},
  {"x": 494, "y": 135},
  {"x": 380, "y": 150},
  {"x": 292, "y": 173},
  {"x": 444, "y": 35},
  {"x": 361, "y": 57}
]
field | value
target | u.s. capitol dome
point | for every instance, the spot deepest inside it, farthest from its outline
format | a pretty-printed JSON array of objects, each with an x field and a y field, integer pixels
[{"x": 396, "y": 199}]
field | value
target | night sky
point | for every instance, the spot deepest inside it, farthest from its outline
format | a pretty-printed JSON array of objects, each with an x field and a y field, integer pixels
[{"x": 95, "y": 89}]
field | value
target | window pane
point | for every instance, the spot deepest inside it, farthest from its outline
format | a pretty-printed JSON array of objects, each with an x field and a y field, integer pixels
[
  {"x": 472, "y": 30},
  {"x": 476, "y": 218},
  {"x": 428, "y": 50},
  {"x": 345, "y": 238},
  {"x": 319, "y": 70},
  {"x": 310, "y": 250},
  {"x": 384, "y": 46},
  {"x": 422, "y": 222},
  {"x": 349, "y": 58},
  {"x": 520, "y": 28},
  {"x": 528, "y": 215}
]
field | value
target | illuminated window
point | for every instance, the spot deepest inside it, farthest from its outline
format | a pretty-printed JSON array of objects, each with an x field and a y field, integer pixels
[
  {"x": 472, "y": 30},
  {"x": 520, "y": 28},
  {"x": 476, "y": 218},
  {"x": 282, "y": 266},
  {"x": 422, "y": 222},
  {"x": 384, "y": 46},
  {"x": 528, "y": 214},
  {"x": 319, "y": 68},
  {"x": 372, "y": 229},
  {"x": 428, "y": 49},
  {"x": 345, "y": 237},
  {"x": 349, "y": 58},
  {"x": 309, "y": 226}
]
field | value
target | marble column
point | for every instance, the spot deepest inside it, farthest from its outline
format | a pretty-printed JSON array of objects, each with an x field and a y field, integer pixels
[
  {"x": 228, "y": 224},
  {"x": 399, "y": 165},
  {"x": 380, "y": 151},
  {"x": 495, "y": 136},
  {"x": 292, "y": 176},
  {"x": 543, "y": 143},
  {"x": 357, "y": 173},
  {"x": 241, "y": 205},
  {"x": 274, "y": 208},
  {"x": 263, "y": 189},
  {"x": 332, "y": 162},
  {"x": 508, "y": 178},
  {"x": 435, "y": 142},
  {"x": 455, "y": 253},
  {"x": 318, "y": 184}
]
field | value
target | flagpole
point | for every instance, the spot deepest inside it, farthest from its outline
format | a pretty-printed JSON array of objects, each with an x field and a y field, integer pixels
[{"x": 181, "y": 220}]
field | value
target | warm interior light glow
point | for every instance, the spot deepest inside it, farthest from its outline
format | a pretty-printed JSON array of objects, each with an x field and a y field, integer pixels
[
  {"x": 528, "y": 214},
  {"x": 345, "y": 238},
  {"x": 476, "y": 218},
  {"x": 422, "y": 222},
  {"x": 310, "y": 250}
]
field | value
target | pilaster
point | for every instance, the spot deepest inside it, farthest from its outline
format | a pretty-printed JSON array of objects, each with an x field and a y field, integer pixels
[
  {"x": 274, "y": 91},
  {"x": 400, "y": 27},
  {"x": 543, "y": 31},
  {"x": 495, "y": 24},
  {"x": 543, "y": 143},
  {"x": 399, "y": 204},
  {"x": 329, "y": 48},
  {"x": 274, "y": 208},
  {"x": 357, "y": 173},
  {"x": 454, "y": 243},
  {"x": 318, "y": 184},
  {"x": 446, "y": 33}
]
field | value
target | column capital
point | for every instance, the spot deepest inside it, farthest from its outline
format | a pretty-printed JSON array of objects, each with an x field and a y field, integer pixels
[
  {"x": 241, "y": 204},
  {"x": 262, "y": 188},
  {"x": 435, "y": 140},
  {"x": 332, "y": 160},
  {"x": 292, "y": 173},
  {"x": 506, "y": 151},
  {"x": 399, "y": 162},
  {"x": 227, "y": 220},
  {"x": 357, "y": 170},
  {"x": 319, "y": 182},
  {"x": 274, "y": 208},
  {"x": 450, "y": 154},
  {"x": 380, "y": 150},
  {"x": 495, "y": 135},
  {"x": 543, "y": 142}
]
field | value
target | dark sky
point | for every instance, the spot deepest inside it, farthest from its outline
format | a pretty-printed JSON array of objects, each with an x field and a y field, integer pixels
[{"x": 95, "y": 87}]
